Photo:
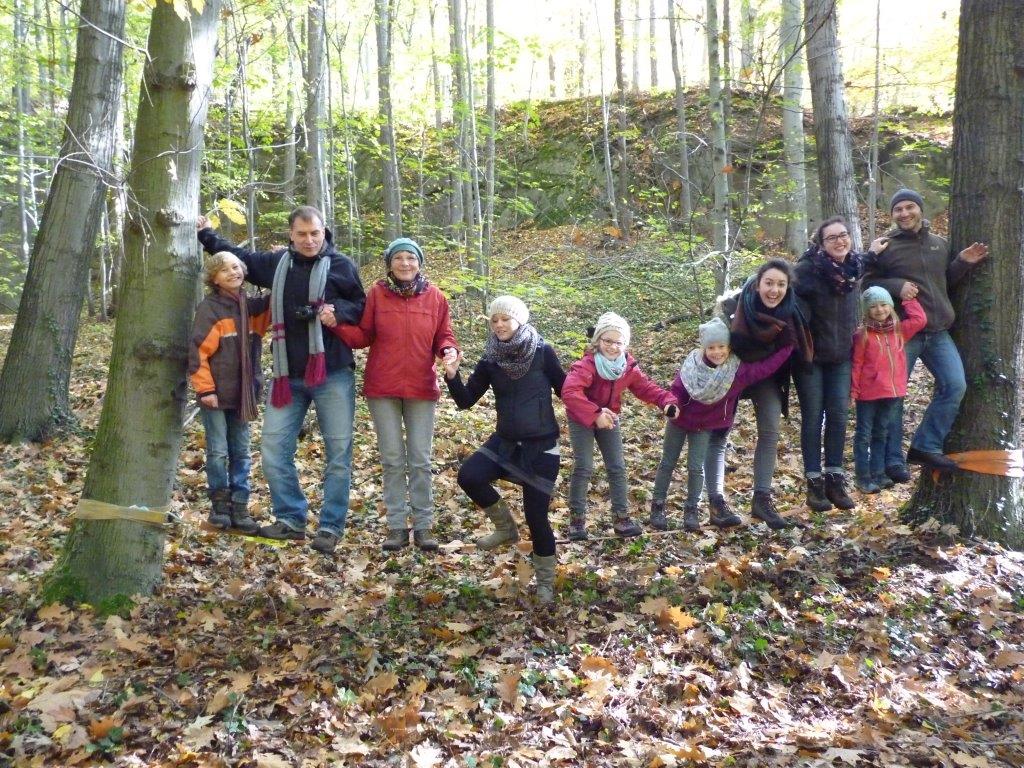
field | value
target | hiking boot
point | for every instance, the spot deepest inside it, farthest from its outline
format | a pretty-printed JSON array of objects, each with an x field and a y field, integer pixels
[
  {"x": 281, "y": 532},
  {"x": 424, "y": 541},
  {"x": 691, "y": 519},
  {"x": 938, "y": 461},
  {"x": 625, "y": 527},
  {"x": 220, "y": 508},
  {"x": 240, "y": 519},
  {"x": 866, "y": 485},
  {"x": 763, "y": 508},
  {"x": 396, "y": 540},
  {"x": 816, "y": 498},
  {"x": 883, "y": 481},
  {"x": 835, "y": 490},
  {"x": 657, "y": 520},
  {"x": 722, "y": 515},
  {"x": 325, "y": 542},
  {"x": 577, "y": 528},
  {"x": 544, "y": 568},
  {"x": 505, "y": 530},
  {"x": 897, "y": 473}
]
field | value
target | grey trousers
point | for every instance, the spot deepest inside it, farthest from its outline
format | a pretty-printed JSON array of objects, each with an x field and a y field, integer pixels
[
  {"x": 705, "y": 447},
  {"x": 609, "y": 441},
  {"x": 405, "y": 433},
  {"x": 768, "y": 411}
]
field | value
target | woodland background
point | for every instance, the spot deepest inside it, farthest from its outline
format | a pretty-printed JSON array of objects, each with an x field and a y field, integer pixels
[{"x": 630, "y": 155}]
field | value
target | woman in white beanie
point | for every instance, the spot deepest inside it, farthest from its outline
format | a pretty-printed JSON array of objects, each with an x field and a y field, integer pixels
[
  {"x": 523, "y": 370},
  {"x": 592, "y": 394}
]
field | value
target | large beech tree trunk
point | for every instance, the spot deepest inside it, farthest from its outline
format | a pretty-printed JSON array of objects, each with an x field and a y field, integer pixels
[
  {"x": 793, "y": 127},
  {"x": 719, "y": 150},
  {"x": 137, "y": 443},
  {"x": 316, "y": 79},
  {"x": 37, "y": 369},
  {"x": 987, "y": 205},
  {"x": 389, "y": 155},
  {"x": 831, "y": 127}
]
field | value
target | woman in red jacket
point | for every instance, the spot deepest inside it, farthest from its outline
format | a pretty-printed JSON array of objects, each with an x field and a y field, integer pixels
[{"x": 406, "y": 325}]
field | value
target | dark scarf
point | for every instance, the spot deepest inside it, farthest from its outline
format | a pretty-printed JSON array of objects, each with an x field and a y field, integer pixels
[
  {"x": 515, "y": 355},
  {"x": 767, "y": 324},
  {"x": 840, "y": 276},
  {"x": 247, "y": 406},
  {"x": 406, "y": 288}
]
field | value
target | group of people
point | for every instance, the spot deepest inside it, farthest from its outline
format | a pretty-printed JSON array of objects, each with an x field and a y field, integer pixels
[{"x": 830, "y": 325}]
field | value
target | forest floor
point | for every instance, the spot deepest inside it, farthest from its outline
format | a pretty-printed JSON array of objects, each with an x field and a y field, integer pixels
[{"x": 851, "y": 640}]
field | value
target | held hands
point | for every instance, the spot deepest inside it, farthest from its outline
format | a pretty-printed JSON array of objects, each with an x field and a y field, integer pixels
[
  {"x": 974, "y": 253},
  {"x": 671, "y": 410},
  {"x": 606, "y": 419},
  {"x": 210, "y": 401},
  {"x": 202, "y": 223},
  {"x": 452, "y": 358},
  {"x": 908, "y": 291},
  {"x": 327, "y": 315}
]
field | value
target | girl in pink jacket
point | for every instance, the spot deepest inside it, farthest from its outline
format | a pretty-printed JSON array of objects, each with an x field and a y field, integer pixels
[
  {"x": 592, "y": 394},
  {"x": 879, "y": 380}
]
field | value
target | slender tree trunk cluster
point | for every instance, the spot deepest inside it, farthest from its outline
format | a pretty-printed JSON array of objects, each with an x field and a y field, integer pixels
[{"x": 795, "y": 189}]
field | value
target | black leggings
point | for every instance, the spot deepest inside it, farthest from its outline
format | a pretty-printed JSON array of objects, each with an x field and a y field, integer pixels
[{"x": 478, "y": 472}]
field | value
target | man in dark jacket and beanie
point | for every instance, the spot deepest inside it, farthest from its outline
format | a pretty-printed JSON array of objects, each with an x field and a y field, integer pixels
[
  {"x": 918, "y": 264},
  {"x": 313, "y": 288}
]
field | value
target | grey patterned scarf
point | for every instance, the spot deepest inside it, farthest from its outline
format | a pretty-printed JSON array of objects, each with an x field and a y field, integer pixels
[
  {"x": 316, "y": 365},
  {"x": 515, "y": 355},
  {"x": 706, "y": 384}
]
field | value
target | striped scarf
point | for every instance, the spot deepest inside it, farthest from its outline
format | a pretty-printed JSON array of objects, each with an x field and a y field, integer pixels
[{"x": 316, "y": 365}]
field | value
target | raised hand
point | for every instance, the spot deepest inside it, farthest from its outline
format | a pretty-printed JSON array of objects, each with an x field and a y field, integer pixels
[
  {"x": 974, "y": 253},
  {"x": 202, "y": 223}
]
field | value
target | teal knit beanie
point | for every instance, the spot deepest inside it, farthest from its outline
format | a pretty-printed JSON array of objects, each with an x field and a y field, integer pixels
[
  {"x": 402, "y": 244},
  {"x": 876, "y": 294}
]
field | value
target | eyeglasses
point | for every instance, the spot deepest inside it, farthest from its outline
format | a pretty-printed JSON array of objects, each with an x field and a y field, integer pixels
[
  {"x": 610, "y": 343},
  {"x": 837, "y": 238}
]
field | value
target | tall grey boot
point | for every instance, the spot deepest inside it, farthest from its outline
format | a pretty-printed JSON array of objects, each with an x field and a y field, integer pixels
[
  {"x": 544, "y": 567},
  {"x": 505, "y": 531}
]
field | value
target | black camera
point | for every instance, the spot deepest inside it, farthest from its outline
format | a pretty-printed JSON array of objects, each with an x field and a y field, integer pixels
[{"x": 305, "y": 313}]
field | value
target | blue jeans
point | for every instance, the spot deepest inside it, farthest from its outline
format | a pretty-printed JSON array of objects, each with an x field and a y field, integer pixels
[
  {"x": 872, "y": 435},
  {"x": 824, "y": 394},
  {"x": 942, "y": 359},
  {"x": 227, "y": 452},
  {"x": 334, "y": 401}
]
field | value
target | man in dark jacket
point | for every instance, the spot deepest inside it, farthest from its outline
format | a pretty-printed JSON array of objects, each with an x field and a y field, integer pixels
[
  {"x": 918, "y": 264},
  {"x": 311, "y": 365}
]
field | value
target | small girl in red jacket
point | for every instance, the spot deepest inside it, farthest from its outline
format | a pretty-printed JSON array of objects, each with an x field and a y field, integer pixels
[
  {"x": 592, "y": 394},
  {"x": 879, "y": 381}
]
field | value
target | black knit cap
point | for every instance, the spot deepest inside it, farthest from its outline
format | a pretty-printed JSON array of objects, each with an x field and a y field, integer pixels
[{"x": 906, "y": 194}]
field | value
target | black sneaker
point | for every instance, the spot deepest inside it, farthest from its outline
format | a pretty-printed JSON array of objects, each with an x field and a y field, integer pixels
[
  {"x": 897, "y": 473},
  {"x": 577, "y": 528},
  {"x": 325, "y": 542},
  {"x": 883, "y": 481},
  {"x": 281, "y": 532},
  {"x": 691, "y": 519},
  {"x": 625, "y": 527},
  {"x": 722, "y": 515},
  {"x": 657, "y": 520},
  {"x": 763, "y": 508},
  {"x": 937, "y": 461}
]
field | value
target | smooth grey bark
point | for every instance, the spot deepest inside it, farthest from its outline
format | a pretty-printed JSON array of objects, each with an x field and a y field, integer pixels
[
  {"x": 635, "y": 82},
  {"x": 833, "y": 145},
  {"x": 719, "y": 150},
  {"x": 37, "y": 368},
  {"x": 316, "y": 71},
  {"x": 987, "y": 205},
  {"x": 622, "y": 201},
  {"x": 136, "y": 450},
  {"x": 748, "y": 18},
  {"x": 492, "y": 127},
  {"x": 652, "y": 44},
  {"x": 685, "y": 199},
  {"x": 383, "y": 10},
  {"x": 793, "y": 140},
  {"x": 875, "y": 118}
]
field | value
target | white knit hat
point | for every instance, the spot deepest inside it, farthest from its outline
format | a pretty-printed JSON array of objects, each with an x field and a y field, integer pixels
[
  {"x": 609, "y": 321},
  {"x": 511, "y": 306}
]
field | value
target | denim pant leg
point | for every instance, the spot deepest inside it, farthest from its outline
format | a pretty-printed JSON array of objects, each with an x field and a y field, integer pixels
[
  {"x": 810, "y": 391},
  {"x": 386, "y": 413},
  {"x": 768, "y": 409},
  {"x": 942, "y": 358},
  {"x": 885, "y": 411},
  {"x": 695, "y": 456},
  {"x": 675, "y": 439},
  {"x": 582, "y": 440},
  {"x": 867, "y": 418},
  {"x": 419, "y": 447},
  {"x": 610, "y": 443},
  {"x": 714, "y": 464},
  {"x": 239, "y": 458},
  {"x": 836, "y": 383},
  {"x": 217, "y": 452},
  {"x": 280, "y": 432},
  {"x": 335, "y": 402},
  {"x": 894, "y": 444}
]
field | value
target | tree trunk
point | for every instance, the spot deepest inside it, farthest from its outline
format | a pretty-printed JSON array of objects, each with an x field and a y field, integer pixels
[
  {"x": 435, "y": 75},
  {"x": 719, "y": 151},
  {"x": 316, "y": 181},
  {"x": 748, "y": 17},
  {"x": 492, "y": 127},
  {"x": 458, "y": 204},
  {"x": 135, "y": 454},
  {"x": 636, "y": 47},
  {"x": 987, "y": 205},
  {"x": 834, "y": 147},
  {"x": 389, "y": 154},
  {"x": 23, "y": 105},
  {"x": 36, "y": 372},
  {"x": 289, "y": 166},
  {"x": 685, "y": 201},
  {"x": 652, "y": 44},
  {"x": 793, "y": 127},
  {"x": 582, "y": 43},
  {"x": 873, "y": 159},
  {"x": 624, "y": 213}
]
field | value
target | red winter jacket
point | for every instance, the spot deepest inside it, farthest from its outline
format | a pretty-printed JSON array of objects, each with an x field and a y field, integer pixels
[
  {"x": 879, "y": 362},
  {"x": 405, "y": 335},
  {"x": 585, "y": 393}
]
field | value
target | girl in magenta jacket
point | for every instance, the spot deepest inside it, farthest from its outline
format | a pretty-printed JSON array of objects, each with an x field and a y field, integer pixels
[
  {"x": 407, "y": 327},
  {"x": 592, "y": 394},
  {"x": 879, "y": 380},
  {"x": 707, "y": 388}
]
